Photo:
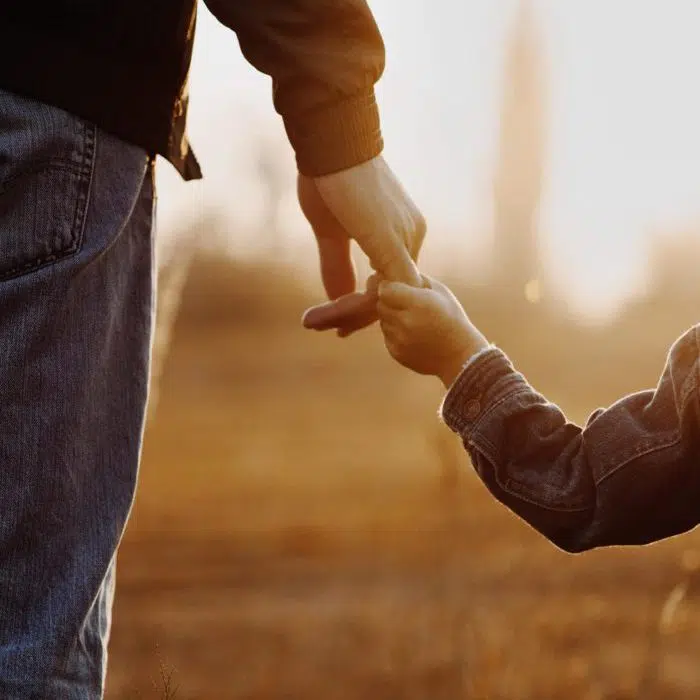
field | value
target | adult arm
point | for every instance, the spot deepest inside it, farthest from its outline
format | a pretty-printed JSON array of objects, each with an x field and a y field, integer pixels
[{"x": 324, "y": 58}]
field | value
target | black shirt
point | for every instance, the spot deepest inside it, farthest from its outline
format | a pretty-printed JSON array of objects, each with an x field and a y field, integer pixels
[{"x": 123, "y": 64}]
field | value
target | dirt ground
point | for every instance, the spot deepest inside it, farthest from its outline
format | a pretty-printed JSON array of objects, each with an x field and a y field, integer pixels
[{"x": 306, "y": 528}]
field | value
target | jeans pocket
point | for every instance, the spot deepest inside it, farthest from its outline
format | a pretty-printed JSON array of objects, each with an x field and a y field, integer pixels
[{"x": 46, "y": 161}]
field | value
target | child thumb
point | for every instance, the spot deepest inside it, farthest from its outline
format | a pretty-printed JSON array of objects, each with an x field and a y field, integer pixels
[{"x": 427, "y": 282}]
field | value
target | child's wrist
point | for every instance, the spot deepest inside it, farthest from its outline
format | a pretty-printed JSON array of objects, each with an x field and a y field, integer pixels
[{"x": 453, "y": 367}]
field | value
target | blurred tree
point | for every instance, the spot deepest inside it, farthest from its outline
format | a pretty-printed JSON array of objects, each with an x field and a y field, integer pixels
[{"x": 521, "y": 162}]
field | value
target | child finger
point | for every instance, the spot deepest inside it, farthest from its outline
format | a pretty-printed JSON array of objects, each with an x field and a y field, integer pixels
[
  {"x": 335, "y": 313},
  {"x": 400, "y": 319},
  {"x": 390, "y": 324},
  {"x": 400, "y": 296},
  {"x": 400, "y": 322},
  {"x": 372, "y": 286},
  {"x": 385, "y": 311}
]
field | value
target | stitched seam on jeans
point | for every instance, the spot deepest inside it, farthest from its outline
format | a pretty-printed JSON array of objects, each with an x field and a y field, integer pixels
[
  {"x": 83, "y": 194},
  {"x": 84, "y": 172}
]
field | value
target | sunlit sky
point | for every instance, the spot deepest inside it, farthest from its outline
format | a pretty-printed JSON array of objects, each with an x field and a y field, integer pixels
[{"x": 624, "y": 130}]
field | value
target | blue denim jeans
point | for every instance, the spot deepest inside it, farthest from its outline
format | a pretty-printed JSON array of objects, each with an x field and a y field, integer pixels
[{"x": 76, "y": 317}]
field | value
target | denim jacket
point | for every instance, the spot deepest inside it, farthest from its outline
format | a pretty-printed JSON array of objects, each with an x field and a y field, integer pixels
[{"x": 631, "y": 475}]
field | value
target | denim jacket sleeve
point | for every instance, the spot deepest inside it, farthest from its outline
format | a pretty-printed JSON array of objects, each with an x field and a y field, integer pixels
[
  {"x": 324, "y": 58},
  {"x": 631, "y": 475}
]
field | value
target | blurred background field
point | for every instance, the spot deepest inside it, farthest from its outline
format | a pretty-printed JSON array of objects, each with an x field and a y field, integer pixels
[
  {"x": 305, "y": 525},
  {"x": 307, "y": 528}
]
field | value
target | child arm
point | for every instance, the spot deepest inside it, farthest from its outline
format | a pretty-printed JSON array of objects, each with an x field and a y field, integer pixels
[{"x": 631, "y": 475}]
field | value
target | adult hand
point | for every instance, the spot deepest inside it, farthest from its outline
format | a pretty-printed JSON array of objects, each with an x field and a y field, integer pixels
[{"x": 367, "y": 204}]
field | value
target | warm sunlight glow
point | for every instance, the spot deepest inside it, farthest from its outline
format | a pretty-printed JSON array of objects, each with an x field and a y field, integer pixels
[{"x": 621, "y": 118}]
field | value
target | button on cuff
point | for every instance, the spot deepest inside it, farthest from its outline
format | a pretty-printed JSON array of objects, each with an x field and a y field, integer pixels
[
  {"x": 472, "y": 409},
  {"x": 469, "y": 397}
]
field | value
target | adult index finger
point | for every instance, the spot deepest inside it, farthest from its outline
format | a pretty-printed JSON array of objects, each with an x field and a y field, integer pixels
[{"x": 339, "y": 312}]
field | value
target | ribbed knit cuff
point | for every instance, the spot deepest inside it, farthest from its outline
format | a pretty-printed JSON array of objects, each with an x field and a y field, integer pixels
[{"x": 339, "y": 137}]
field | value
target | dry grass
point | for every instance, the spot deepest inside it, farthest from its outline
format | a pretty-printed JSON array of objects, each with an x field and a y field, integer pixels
[{"x": 306, "y": 529}]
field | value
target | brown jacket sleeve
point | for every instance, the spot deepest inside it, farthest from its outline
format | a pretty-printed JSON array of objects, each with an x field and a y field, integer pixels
[{"x": 324, "y": 58}]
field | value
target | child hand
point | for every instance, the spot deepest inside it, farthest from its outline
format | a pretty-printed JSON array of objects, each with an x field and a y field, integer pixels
[{"x": 426, "y": 329}]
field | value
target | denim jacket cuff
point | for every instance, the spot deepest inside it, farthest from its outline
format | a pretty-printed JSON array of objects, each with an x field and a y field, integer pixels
[{"x": 484, "y": 382}]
